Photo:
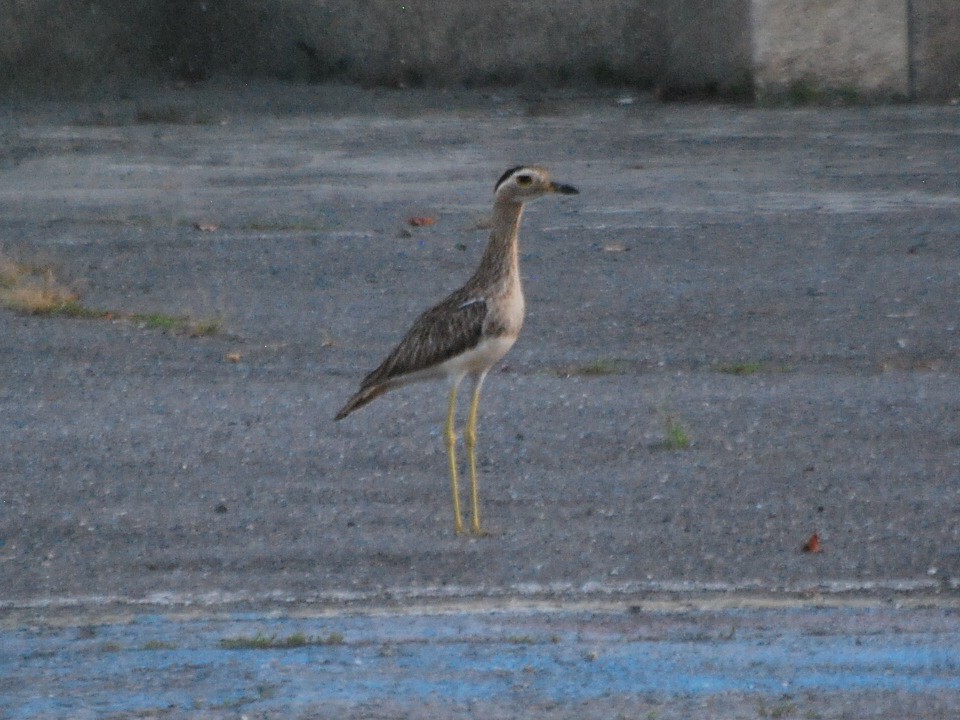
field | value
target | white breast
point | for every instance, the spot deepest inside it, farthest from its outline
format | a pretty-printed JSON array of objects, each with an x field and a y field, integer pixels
[{"x": 479, "y": 359}]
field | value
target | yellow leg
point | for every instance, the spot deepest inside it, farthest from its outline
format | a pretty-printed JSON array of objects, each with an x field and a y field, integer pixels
[
  {"x": 451, "y": 438},
  {"x": 471, "y": 437}
]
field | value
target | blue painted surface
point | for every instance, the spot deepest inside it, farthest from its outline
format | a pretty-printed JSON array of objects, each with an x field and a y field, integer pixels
[{"x": 562, "y": 657}]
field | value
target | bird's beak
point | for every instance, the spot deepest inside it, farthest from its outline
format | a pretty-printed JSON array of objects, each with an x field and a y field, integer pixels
[{"x": 563, "y": 189}]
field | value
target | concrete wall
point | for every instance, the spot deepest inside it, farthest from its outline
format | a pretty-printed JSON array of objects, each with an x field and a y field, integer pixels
[
  {"x": 62, "y": 46},
  {"x": 71, "y": 47},
  {"x": 708, "y": 48},
  {"x": 849, "y": 46},
  {"x": 935, "y": 48},
  {"x": 864, "y": 48},
  {"x": 469, "y": 42}
]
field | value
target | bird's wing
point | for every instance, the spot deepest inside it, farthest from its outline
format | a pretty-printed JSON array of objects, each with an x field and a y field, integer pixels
[{"x": 442, "y": 332}]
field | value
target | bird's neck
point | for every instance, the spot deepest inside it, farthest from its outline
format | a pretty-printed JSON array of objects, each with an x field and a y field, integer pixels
[{"x": 501, "y": 258}]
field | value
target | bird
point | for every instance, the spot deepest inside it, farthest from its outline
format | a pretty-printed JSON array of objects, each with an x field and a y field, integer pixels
[{"x": 469, "y": 331}]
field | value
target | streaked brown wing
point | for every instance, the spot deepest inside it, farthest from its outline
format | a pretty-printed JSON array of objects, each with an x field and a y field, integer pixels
[{"x": 442, "y": 332}]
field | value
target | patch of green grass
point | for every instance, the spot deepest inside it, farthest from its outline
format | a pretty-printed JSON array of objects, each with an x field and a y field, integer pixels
[
  {"x": 69, "y": 308},
  {"x": 675, "y": 436},
  {"x": 204, "y": 328},
  {"x": 256, "y": 642},
  {"x": 272, "y": 642},
  {"x": 35, "y": 290},
  {"x": 172, "y": 115},
  {"x": 747, "y": 368},
  {"x": 159, "y": 321},
  {"x": 158, "y": 645},
  {"x": 520, "y": 640},
  {"x": 267, "y": 226},
  {"x": 778, "y": 711},
  {"x": 175, "y": 323}
]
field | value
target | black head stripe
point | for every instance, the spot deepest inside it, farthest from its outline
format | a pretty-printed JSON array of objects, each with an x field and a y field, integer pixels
[{"x": 507, "y": 174}]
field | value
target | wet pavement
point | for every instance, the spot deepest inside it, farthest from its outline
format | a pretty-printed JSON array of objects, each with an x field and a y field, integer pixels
[{"x": 570, "y": 659}]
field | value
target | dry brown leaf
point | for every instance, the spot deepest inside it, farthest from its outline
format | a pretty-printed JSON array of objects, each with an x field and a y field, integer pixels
[
  {"x": 813, "y": 544},
  {"x": 422, "y": 221}
]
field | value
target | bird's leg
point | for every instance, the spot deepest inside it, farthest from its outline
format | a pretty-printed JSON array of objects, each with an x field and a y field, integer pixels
[
  {"x": 471, "y": 437},
  {"x": 451, "y": 437}
]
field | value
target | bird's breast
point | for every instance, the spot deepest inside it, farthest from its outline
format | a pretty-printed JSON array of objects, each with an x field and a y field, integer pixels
[
  {"x": 506, "y": 311},
  {"x": 485, "y": 355}
]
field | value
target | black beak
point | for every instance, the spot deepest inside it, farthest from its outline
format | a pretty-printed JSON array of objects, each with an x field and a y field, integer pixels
[{"x": 564, "y": 189}]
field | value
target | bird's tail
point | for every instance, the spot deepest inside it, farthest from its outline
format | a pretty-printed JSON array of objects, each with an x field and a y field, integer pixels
[{"x": 363, "y": 396}]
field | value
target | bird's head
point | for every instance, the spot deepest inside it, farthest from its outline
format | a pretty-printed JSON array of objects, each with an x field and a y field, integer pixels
[{"x": 528, "y": 182}]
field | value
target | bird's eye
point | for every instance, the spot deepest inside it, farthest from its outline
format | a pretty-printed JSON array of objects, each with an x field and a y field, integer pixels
[{"x": 524, "y": 180}]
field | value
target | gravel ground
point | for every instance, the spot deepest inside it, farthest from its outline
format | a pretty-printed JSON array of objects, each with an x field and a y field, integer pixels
[{"x": 779, "y": 287}]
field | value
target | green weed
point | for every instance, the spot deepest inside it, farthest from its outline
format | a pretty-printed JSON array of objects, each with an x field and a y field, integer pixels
[
  {"x": 158, "y": 645},
  {"x": 675, "y": 436},
  {"x": 35, "y": 290},
  {"x": 272, "y": 642},
  {"x": 748, "y": 368}
]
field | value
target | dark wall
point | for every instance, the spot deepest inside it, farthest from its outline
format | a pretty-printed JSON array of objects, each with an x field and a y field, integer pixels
[
  {"x": 680, "y": 46},
  {"x": 50, "y": 46},
  {"x": 935, "y": 49}
]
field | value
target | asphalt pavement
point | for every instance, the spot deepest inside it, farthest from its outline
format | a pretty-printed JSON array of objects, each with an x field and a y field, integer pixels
[{"x": 741, "y": 333}]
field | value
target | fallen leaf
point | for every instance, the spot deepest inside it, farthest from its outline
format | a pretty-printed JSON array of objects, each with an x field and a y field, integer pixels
[
  {"x": 234, "y": 357},
  {"x": 813, "y": 544},
  {"x": 206, "y": 226},
  {"x": 615, "y": 247},
  {"x": 422, "y": 221}
]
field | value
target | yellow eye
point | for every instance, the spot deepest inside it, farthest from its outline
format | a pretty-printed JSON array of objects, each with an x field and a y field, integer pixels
[{"x": 524, "y": 180}]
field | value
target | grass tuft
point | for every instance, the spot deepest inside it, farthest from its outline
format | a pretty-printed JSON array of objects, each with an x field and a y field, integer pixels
[
  {"x": 36, "y": 291},
  {"x": 10, "y": 274},
  {"x": 675, "y": 436},
  {"x": 272, "y": 642},
  {"x": 285, "y": 225},
  {"x": 33, "y": 290},
  {"x": 158, "y": 645},
  {"x": 204, "y": 328},
  {"x": 172, "y": 115},
  {"x": 741, "y": 369},
  {"x": 158, "y": 321}
]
